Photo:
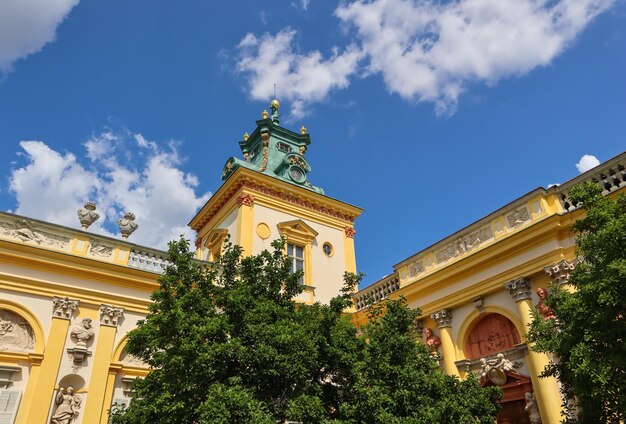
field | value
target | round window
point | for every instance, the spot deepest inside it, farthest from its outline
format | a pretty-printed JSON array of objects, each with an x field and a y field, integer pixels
[
  {"x": 296, "y": 174},
  {"x": 328, "y": 249}
]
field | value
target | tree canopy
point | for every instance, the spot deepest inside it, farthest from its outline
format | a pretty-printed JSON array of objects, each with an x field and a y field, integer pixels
[
  {"x": 227, "y": 344},
  {"x": 588, "y": 336}
]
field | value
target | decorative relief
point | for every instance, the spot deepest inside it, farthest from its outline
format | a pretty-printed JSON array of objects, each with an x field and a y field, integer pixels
[
  {"x": 130, "y": 359},
  {"x": 62, "y": 307},
  {"x": 464, "y": 244},
  {"x": 518, "y": 217},
  {"x": 16, "y": 334},
  {"x": 560, "y": 271},
  {"x": 350, "y": 232},
  {"x": 87, "y": 215},
  {"x": 443, "y": 318},
  {"x": 81, "y": 335},
  {"x": 68, "y": 406},
  {"x": 110, "y": 315},
  {"x": 127, "y": 224},
  {"x": 416, "y": 269},
  {"x": 531, "y": 408},
  {"x": 25, "y": 231},
  {"x": 494, "y": 369},
  {"x": 544, "y": 310},
  {"x": 518, "y": 289},
  {"x": 266, "y": 142},
  {"x": 245, "y": 199},
  {"x": 97, "y": 248}
]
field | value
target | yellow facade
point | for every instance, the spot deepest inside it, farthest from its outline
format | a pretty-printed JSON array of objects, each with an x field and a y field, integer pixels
[{"x": 57, "y": 283}]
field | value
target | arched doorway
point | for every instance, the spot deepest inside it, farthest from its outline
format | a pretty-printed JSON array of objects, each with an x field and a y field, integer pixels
[{"x": 491, "y": 335}]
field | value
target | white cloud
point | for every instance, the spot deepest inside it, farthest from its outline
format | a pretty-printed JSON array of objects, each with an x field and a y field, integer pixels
[
  {"x": 28, "y": 25},
  {"x": 301, "y": 78},
  {"x": 430, "y": 51},
  {"x": 52, "y": 186},
  {"x": 303, "y": 4},
  {"x": 587, "y": 162}
]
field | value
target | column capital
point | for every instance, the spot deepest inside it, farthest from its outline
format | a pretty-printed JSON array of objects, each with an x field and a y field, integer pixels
[
  {"x": 560, "y": 271},
  {"x": 443, "y": 318},
  {"x": 109, "y": 315},
  {"x": 63, "y": 307},
  {"x": 519, "y": 289},
  {"x": 245, "y": 199}
]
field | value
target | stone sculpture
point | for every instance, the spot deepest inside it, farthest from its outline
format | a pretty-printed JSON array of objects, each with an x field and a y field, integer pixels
[
  {"x": 432, "y": 342},
  {"x": 68, "y": 406},
  {"x": 544, "y": 310},
  {"x": 87, "y": 215},
  {"x": 15, "y": 333},
  {"x": 127, "y": 225},
  {"x": 82, "y": 333},
  {"x": 495, "y": 369},
  {"x": 531, "y": 408}
]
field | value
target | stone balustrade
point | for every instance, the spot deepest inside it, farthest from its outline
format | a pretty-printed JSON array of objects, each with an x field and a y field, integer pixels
[
  {"x": 376, "y": 292},
  {"x": 148, "y": 259},
  {"x": 611, "y": 176}
]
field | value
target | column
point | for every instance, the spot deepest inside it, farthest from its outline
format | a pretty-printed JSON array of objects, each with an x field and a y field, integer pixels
[
  {"x": 108, "y": 392},
  {"x": 245, "y": 221},
  {"x": 444, "y": 323},
  {"x": 109, "y": 318},
  {"x": 36, "y": 412},
  {"x": 546, "y": 390}
]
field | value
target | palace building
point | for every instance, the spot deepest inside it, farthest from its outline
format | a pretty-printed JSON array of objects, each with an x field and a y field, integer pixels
[{"x": 69, "y": 297}]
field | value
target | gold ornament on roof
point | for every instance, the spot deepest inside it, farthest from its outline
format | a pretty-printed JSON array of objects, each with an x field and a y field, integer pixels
[
  {"x": 245, "y": 136},
  {"x": 302, "y": 130},
  {"x": 265, "y": 114},
  {"x": 275, "y": 104}
]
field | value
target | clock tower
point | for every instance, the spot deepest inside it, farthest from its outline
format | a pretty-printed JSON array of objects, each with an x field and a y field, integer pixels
[{"x": 266, "y": 195}]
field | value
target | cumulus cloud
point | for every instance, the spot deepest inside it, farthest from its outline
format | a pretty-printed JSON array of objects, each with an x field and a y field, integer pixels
[
  {"x": 302, "y": 78},
  {"x": 587, "y": 162},
  {"x": 425, "y": 51},
  {"x": 146, "y": 179},
  {"x": 28, "y": 25}
]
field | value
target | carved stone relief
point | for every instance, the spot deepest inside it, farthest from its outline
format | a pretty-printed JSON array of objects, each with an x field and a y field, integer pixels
[
  {"x": 518, "y": 289},
  {"x": 25, "y": 231},
  {"x": 129, "y": 359},
  {"x": 81, "y": 335},
  {"x": 109, "y": 315},
  {"x": 518, "y": 217},
  {"x": 464, "y": 244},
  {"x": 531, "y": 408},
  {"x": 16, "y": 335},
  {"x": 416, "y": 269},
  {"x": 100, "y": 249},
  {"x": 560, "y": 271},
  {"x": 62, "y": 307},
  {"x": 68, "y": 405},
  {"x": 494, "y": 369},
  {"x": 443, "y": 318}
]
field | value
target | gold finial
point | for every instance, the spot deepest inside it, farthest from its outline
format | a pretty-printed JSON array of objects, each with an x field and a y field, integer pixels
[
  {"x": 275, "y": 104},
  {"x": 302, "y": 130},
  {"x": 245, "y": 136},
  {"x": 265, "y": 114}
]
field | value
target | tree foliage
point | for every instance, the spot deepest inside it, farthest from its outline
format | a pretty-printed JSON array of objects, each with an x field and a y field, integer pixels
[
  {"x": 227, "y": 344},
  {"x": 588, "y": 338}
]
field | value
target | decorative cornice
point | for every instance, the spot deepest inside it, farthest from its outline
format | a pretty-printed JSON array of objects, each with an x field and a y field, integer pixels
[
  {"x": 560, "y": 271},
  {"x": 443, "y": 318},
  {"x": 350, "y": 232},
  {"x": 63, "y": 307},
  {"x": 519, "y": 289},
  {"x": 198, "y": 242},
  {"x": 110, "y": 315},
  {"x": 245, "y": 199}
]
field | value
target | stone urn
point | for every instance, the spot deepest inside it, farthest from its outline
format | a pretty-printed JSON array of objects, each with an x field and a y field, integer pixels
[
  {"x": 127, "y": 225},
  {"x": 87, "y": 215}
]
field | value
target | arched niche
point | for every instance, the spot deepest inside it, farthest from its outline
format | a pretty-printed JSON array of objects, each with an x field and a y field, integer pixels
[
  {"x": 20, "y": 331},
  {"x": 74, "y": 380},
  {"x": 489, "y": 334}
]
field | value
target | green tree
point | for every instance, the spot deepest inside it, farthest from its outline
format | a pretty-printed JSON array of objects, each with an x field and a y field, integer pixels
[
  {"x": 588, "y": 338},
  {"x": 227, "y": 344}
]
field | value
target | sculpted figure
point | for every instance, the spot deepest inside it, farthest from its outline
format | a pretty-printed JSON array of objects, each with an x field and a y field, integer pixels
[
  {"x": 531, "y": 408},
  {"x": 545, "y": 311},
  {"x": 69, "y": 403},
  {"x": 432, "y": 341},
  {"x": 83, "y": 333}
]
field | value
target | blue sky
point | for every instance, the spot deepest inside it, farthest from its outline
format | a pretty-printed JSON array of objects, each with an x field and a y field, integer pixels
[{"x": 427, "y": 115}]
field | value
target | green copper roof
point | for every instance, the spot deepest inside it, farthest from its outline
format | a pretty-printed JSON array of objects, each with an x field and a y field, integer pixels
[{"x": 275, "y": 151}]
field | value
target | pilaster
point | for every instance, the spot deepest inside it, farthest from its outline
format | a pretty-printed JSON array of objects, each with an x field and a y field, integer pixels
[
  {"x": 444, "y": 323},
  {"x": 245, "y": 221}
]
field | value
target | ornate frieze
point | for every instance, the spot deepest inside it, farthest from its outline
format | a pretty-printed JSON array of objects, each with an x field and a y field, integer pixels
[
  {"x": 97, "y": 248},
  {"x": 560, "y": 271},
  {"x": 62, "y": 307},
  {"x": 245, "y": 199},
  {"x": 519, "y": 289},
  {"x": 443, "y": 318},
  {"x": 110, "y": 315},
  {"x": 416, "y": 268},
  {"x": 518, "y": 217},
  {"x": 464, "y": 244},
  {"x": 16, "y": 335},
  {"x": 26, "y": 231}
]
